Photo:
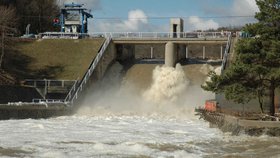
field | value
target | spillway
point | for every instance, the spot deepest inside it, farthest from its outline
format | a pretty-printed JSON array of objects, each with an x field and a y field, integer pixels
[
  {"x": 139, "y": 110},
  {"x": 114, "y": 122}
]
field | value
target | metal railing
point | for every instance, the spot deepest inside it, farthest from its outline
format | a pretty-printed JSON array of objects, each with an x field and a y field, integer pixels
[
  {"x": 225, "y": 56},
  {"x": 134, "y": 35},
  {"x": 47, "y": 100},
  {"x": 58, "y": 35},
  {"x": 159, "y": 35},
  {"x": 77, "y": 88},
  {"x": 48, "y": 83},
  {"x": 72, "y": 91}
]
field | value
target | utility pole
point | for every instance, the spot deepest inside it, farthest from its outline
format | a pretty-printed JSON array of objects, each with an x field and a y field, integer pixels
[
  {"x": 2, "y": 54},
  {"x": 39, "y": 22}
]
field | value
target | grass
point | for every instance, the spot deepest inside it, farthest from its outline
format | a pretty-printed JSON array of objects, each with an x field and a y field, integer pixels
[{"x": 52, "y": 58}]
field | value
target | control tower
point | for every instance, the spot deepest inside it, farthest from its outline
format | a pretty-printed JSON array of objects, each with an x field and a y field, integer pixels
[
  {"x": 74, "y": 18},
  {"x": 176, "y": 27}
]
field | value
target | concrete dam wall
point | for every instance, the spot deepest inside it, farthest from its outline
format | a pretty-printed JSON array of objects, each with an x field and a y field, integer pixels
[
  {"x": 157, "y": 51},
  {"x": 127, "y": 54}
]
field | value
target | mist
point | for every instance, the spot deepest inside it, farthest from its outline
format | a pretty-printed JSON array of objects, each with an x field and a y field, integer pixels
[{"x": 170, "y": 94}]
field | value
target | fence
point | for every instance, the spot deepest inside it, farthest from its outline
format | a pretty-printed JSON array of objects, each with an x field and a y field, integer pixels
[
  {"x": 162, "y": 34},
  {"x": 225, "y": 57},
  {"x": 47, "y": 100},
  {"x": 49, "y": 83},
  {"x": 77, "y": 88},
  {"x": 55, "y": 35}
]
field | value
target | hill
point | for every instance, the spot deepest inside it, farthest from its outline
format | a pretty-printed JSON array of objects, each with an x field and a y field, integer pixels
[{"x": 62, "y": 59}]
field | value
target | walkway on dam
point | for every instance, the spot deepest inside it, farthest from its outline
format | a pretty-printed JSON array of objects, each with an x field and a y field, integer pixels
[
  {"x": 164, "y": 37},
  {"x": 150, "y": 37}
]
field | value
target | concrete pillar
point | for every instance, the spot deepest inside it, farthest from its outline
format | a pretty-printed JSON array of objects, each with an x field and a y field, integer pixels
[
  {"x": 181, "y": 52},
  {"x": 152, "y": 52},
  {"x": 221, "y": 51},
  {"x": 46, "y": 89},
  {"x": 113, "y": 50},
  {"x": 203, "y": 55},
  {"x": 187, "y": 52},
  {"x": 170, "y": 54}
]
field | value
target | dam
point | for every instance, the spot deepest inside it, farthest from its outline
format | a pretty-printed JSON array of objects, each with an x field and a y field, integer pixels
[
  {"x": 127, "y": 49},
  {"x": 133, "y": 94},
  {"x": 62, "y": 96},
  {"x": 116, "y": 121}
]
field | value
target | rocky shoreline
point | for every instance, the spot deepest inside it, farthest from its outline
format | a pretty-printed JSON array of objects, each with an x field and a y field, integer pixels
[{"x": 238, "y": 125}]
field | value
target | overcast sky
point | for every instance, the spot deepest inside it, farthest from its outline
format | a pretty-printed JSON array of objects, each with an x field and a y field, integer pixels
[{"x": 152, "y": 15}]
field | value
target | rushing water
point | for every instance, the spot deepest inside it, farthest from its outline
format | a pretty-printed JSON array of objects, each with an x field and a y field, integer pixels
[
  {"x": 118, "y": 122},
  {"x": 127, "y": 136}
]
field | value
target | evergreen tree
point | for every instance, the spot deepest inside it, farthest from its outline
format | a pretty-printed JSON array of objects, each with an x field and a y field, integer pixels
[{"x": 256, "y": 71}]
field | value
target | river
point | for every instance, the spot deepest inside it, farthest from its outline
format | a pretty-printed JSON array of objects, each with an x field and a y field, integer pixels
[
  {"x": 114, "y": 122},
  {"x": 127, "y": 136}
]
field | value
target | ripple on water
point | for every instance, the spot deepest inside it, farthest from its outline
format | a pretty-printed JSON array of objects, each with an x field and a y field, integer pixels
[
  {"x": 127, "y": 136},
  {"x": 14, "y": 152}
]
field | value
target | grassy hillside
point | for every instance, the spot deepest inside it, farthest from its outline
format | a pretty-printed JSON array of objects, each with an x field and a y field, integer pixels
[{"x": 51, "y": 59}]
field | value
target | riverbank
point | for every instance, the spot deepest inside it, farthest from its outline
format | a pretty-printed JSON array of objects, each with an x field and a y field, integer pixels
[
  {"x": 21, "y": 110},
  {"x": 253, "y": 126}
]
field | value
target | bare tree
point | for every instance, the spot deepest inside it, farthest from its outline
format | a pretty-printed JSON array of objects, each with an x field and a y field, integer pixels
[
  {"x": 38, "y": 13},
  {"x": 7, "y": 27}
]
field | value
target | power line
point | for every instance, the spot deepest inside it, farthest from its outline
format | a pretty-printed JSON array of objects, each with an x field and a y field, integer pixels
[
  {"x": 183, "y": 17},
  {"x": 153, "y": 18}
]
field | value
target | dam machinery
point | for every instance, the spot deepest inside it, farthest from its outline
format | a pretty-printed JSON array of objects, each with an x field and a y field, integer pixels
[
  {"x": 73, "y": 22},
  {"x": 74, "y": 18}
]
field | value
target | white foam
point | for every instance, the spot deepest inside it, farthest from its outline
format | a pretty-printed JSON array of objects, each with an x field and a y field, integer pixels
[
  {"x": 124, "y": 136},
  {"x": 168, "y": 84},
  {"x": 206, "y": 68},
  {"x": 217, "y": 70}
]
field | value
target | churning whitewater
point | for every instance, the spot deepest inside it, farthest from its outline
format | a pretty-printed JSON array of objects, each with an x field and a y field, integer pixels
[
  {"x": 122, "y": 119},
  {"x": 168, "y": 84}
]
